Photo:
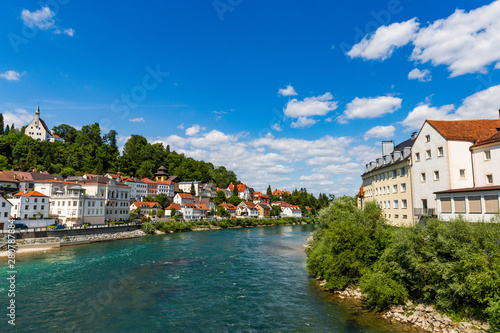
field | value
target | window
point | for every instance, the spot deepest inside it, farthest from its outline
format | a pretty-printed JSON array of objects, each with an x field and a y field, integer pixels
[
  {"x": 42, "y": 207},
  {"x": 3, "y": 204},
  {"x": 402, "y": 172},
  {"x": 5, "y": 214},
  {"x": 489, "y": 179},
  {"x": 403, "y": 187},
  {"x": 459, "y": 205},
  {"x": 36, "y": 200},
  {"x": 404, "y": 204},
  {"x": 75, "y": 203},
  {"x": 26, "y": 207},
  {"x": 422, "y": 177},
  {"x": 428, "y": 154},
  {"x": 475, "y": 205},
  {"x": 417, "y": 157},
  {"x": 383, "y": 176},
  {"x": 394, "y": 173},
  {"x": 405, "y": 217},
  {"x": 487, "y": 155},
  {"x": 440, "y": 152},
  {"x": 396, "y": 204},
  {"x": 396, "y": 216},
  {"x": 394, "y": 188},
  {"x": 388, "y": 204},
  {"x": 436, "y": 175},
  {"x": 491, "y": 204},
  {"x": 383, "y": 190},
  {"x": 385, "y": 204},
  {"x": 462, "y": 174},
  {"x": 445, "y": 205},
  {"x": 427, "y": 138}
]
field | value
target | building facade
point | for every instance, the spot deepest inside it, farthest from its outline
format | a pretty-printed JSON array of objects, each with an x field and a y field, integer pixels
[{"x": 39, "y": 131}]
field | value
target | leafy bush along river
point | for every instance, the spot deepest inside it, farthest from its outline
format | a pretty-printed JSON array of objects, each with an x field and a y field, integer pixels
[
  {"x": 179, "y": 226},
  {"x": 454, "y": 265}
]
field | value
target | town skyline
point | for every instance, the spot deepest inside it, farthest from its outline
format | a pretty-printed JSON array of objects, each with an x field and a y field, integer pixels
[{"x": 310, "y": 113}]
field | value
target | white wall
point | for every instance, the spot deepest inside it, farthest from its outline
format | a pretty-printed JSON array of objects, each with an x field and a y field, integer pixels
[
  {"x": 483, "y": 167},
  {"x": 460, "y": 158}
]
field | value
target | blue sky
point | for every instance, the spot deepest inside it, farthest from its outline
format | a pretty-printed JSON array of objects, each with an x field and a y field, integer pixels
[{"x": 288, "y": 93}]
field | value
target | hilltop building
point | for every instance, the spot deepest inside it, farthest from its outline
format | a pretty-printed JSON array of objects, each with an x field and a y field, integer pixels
[{"x": 39, "y": 131}]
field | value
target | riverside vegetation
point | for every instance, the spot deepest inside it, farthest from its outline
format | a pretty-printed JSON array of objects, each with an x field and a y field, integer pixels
[
  {"x": 180, "y": 226},
  {"x": 453, "y": 265}
]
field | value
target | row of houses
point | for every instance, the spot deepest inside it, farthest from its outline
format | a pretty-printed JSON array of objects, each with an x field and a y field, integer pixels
[{"x": 447, "y": 169}]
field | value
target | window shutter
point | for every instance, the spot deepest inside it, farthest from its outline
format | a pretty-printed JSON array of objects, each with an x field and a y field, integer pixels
[
  {"x": 459, "y": 205},
  {"x": 445, "y": 205},
  {"x": 491, "y": 203},
  {"x": 475, "y": 205}
]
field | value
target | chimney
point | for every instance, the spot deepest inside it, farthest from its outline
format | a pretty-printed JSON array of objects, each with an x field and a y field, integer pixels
[
  {"x": 413, "y": 135},
  {"x": 387, "y": 147}
]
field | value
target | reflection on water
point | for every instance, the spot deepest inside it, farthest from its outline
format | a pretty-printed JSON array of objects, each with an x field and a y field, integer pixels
[{"x": 209, "y": 281}]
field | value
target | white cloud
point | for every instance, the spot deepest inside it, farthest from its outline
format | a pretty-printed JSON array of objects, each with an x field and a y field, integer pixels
[
  {"x": 422, "y": 76},
  {"x": 43, "y": 19},
  {"x": 380, "y": 132},
  {"x": 497, "y": 65},
  {"x": 418, "y": 115},
  {"x": 340, "y": 169},
  {"x": 303, "y": 122},
  {"x": 181, "y": 126},
  {"x": 310, "y": 106},
  {"x": 11, "y": 75},
  {"x": 384, "y": 41},
  {"x": 18, "y": 117},
  {"x": 288, "y": 91},
  {"x": 70, "y": 32},
  {"x": 137, "y": 120},
  {"x": 193, "y": 130},
  {"x": 370, "y": 108},
  {"x": 324, "y": 160},
  {"x": 481, "y": 105},
  {"x": 277, "y": 127},
  {"x": 465, "y": 42}
]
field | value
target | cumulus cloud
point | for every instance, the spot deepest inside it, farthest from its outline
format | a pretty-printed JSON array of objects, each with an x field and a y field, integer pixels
[
  {"x": 422, "y": 76},
  {"x": 310, "y": 106},
  {"x": 380, "y": 132},
  {"x": 465, "y": 42},
  {"x": 370, "y": 108},
  {"x": 18, "y": 117},
  {"x": 193, "y": 130},
  {"x": 288, "y": 91},
  {"x": 382, "y": 43},
  {"x": 137, "y": 120},
  {"x": 481, "y": 105},
  {"x": 303, "y": 122},
  {"x": 11, "y": 75},
  {"x": 277, "y": 127},
  {"x": 340, "y": 169},
  {"x": 43, "y": 19}
]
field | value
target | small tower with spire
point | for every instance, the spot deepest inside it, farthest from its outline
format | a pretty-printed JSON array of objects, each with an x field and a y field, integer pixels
[{"x": 37, "y": 116}]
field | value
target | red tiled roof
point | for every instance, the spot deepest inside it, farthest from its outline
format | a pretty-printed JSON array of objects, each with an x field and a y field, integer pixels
[
  {"x": 294, "y": 208},
  {"x": 185, "y": 195},
  {"x": 29, "y": 194},
  {"x": 174, "y": 206},
  {"x": 189, "y": 206},
  {"x": 466, "y": 130},
  {"x": 492, "y": 139},
  {"x": 361, "y": 193},
  {"x": 277, "y": 192},
  {"x": 228, "y": 206},
  {"x": 140, "y": 204},
  {"x": 164, "y": 182}
]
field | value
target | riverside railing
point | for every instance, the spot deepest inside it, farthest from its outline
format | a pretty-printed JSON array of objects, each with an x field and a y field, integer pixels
[{"x": 98, "y": 226}]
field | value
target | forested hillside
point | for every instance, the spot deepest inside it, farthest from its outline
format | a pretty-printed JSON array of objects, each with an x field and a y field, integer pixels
[{"x": 90, "y": 151}]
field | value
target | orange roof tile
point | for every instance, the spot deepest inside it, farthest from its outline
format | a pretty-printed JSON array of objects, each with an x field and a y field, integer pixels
[
  {"x": 361, "y": 193},
  {"x": 140, "y": 204},
  {"x": 466, "y": 130},
  {"x": 29, "y": 194},
  {"x": 492, "y": 139},
  {"x": 277, "y": 192},
  {"x": 185, "y": 195},
  {"x": 174, "y": 206}
]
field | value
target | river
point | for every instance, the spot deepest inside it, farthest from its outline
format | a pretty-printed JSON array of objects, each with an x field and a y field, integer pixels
[{"x": 236, "y": 280}]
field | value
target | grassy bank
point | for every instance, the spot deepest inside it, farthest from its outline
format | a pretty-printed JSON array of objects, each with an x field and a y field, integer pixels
[
  {"x": 179, "y": 226},
  {"x": 453, "y": 265}
]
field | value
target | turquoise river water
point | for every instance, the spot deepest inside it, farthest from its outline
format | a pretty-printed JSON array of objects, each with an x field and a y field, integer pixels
[{"x": 237, "y": 280}]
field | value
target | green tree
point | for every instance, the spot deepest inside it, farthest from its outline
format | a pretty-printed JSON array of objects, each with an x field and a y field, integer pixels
[
  {"x": 275, "y": 210},
  {"x": 173, "y": 211},
  {"x": 235, "y": 190},
  {"x": 220, "y": 198},
  {"x": 161, "y": 213},
  {"x": 1, "y": 124},
  {"x": 7, "y": 129},
  {"x": 269, "y": 191},
  {"x": 212, "y": 211},
  {"x": 193, "y": 191},
  {"x": 66, "y": 132},
  {"x": 222, "y": 212}
]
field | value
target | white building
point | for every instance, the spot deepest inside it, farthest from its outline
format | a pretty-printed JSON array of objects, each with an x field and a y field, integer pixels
[
  {"x": 183, "y": 198},
  {"x": 186, "y": 187},
  {"x": 291, "y": 211},
  {"x": 138, "y": 189},
  {"x": 148, "y": 209},
  {"x": 442, "y": 159},
  {"x": 39, "y": 131},
  {"x": 117, "y": 195},
  {"x": 166, "y": 187},
  {"x": 479, "y": 202},
  {"x": 29, "y": 204},
  {"x": 5, "y": 208}
]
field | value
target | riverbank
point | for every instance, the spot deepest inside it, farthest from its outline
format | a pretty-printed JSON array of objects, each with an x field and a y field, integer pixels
[
  {"x": 46, "y": 244},
  {"x": 417, "y": 316}
]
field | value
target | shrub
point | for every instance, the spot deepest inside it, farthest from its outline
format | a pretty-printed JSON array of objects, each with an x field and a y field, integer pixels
[
  {"x": 148, "y": 228},
  {"x": 493, "y": 312},
  {"x": 381, "y": 290}
]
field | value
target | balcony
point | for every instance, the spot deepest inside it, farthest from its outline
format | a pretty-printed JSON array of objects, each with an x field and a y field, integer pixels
[{"x": 424, "y": 212}]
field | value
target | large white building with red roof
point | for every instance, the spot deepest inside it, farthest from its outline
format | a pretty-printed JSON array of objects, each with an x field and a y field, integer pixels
[
  {"x": 29, "y": 204},
  {"x": 39, "y": 131}
]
